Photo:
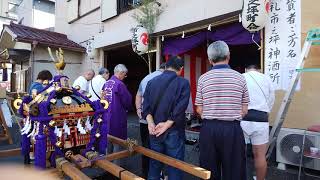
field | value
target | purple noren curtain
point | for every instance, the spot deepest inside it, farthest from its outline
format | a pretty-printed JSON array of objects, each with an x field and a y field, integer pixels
[{"x": 233, "y": 34}]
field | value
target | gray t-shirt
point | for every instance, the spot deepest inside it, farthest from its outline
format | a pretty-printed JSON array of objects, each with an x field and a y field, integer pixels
[{"x": 143, "y": 85}]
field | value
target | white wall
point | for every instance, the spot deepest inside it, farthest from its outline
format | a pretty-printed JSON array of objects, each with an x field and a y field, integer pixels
[
  {"x": 3, "y": 8},
  {"x": 44, "y": 20},
  {"x": 176, "y": 13},
  {"x": 79, "y": 31},
  {"x": 117, "y": 29},
  {"x": 3, "y": 21},
  {"x": 25, "y": 11},
  {"x": 40, "y": 14},
  {"x": 88, "y": 5},
  {"x": 4, "y": 14},
  {"x": 44, "y": 14},
  {"x": 73, "y": 60}
]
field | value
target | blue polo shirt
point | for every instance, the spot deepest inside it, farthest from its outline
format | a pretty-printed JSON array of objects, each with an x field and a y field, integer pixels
[
  {"x": 143, "y": 85},
  {"x": 37, "y": 86},
  {"x": 174, "y": 101},
  {"x": 145, "y": 80}
]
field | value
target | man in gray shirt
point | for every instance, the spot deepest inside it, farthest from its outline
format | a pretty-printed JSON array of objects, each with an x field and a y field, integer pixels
[{"x": 144, "y": 132}]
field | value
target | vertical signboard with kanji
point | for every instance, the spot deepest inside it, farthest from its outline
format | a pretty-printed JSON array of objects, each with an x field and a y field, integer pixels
[{"x": 282, "y": 41}]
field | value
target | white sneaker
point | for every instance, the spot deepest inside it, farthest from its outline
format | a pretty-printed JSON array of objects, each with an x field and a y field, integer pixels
[{"x": 31, "y": 154}]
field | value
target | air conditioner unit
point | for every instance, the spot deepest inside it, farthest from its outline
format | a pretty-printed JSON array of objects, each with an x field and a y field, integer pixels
[{"x": 289, "y": 147}]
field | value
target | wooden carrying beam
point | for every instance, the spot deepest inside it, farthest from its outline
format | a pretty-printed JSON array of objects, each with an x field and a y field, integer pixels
[
  {"x": 70, "y": 170},
  {"x": 114, "y": 169},
  {"x": 186, "y": 167},
  {"x": 80, "y": 161},
  {"x": 10, "y": 152},
  {"x": 118, "y": 155},
  {"x": 117, "y": 171}
]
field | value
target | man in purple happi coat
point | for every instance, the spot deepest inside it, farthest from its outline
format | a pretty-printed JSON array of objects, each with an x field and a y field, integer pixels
[
  {"x": 120, "y": 101},
  {"x": 119, "y": 98}
]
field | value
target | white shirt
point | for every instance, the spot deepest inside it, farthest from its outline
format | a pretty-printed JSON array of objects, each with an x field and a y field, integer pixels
[
  {"x": 261, "y": 91},
  {"x": 82, "y": 82},
  {"x": 97, "y": 84}
]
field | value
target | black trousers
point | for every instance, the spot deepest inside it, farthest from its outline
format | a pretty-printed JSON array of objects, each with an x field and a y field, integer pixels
[
  {"x": 144, "y": 134},
  {"x": 222, "y": 150}
]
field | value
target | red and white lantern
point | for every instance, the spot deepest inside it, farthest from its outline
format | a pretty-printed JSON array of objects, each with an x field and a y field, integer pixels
[
  {"x": 254, "y": 14},
  {"x": 140, "y": 40}
]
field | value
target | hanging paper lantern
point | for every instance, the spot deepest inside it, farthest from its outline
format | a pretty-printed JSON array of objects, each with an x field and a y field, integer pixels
[
  {"x": 140, "y": 40},
  {"x": 254, "y": 14}
]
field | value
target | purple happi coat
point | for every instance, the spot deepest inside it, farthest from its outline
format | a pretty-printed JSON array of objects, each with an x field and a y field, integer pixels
[{"x": 119, "y": 98}]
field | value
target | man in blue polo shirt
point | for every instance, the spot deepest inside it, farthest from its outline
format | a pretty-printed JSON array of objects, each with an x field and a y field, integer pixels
[
  {"x": 38, "y": 85},
  {"x": 165, "y": 101}
]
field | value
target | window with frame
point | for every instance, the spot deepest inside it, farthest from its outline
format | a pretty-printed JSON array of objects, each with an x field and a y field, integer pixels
[
  {"x": 12, "y": 8},
  {"x": 109, "y": 9},
  {"x": 72, "y": 9},
  {"x": 85, "y": 6},
  {"x": 112, "y": 8},
  {"x": 125, "y": 5},
  {"x": 79, "y": 8},
  {"x": 21, "y": 77}
]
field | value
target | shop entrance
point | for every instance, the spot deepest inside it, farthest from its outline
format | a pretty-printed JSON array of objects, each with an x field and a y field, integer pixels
[
  {"x": 244, "y": 55},
  {"x": 192, "y": 48},
  {"x": 137, "y": 68},
  {"x": 196, "y": 63}
]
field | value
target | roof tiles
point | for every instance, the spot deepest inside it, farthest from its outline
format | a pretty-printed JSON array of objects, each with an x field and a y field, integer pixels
[{"x": 43, "y": 37}]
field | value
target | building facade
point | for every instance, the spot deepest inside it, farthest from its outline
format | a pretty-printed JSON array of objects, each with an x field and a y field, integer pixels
[
  {"x": 106, "y": 24},
  {"x": 8, "y": 11},
  {"x": 109, "y": 21},
  {"x": 37, "y": 13},
  {"x": 26, "y": 50},
  {"x": 24, "y": 43}
]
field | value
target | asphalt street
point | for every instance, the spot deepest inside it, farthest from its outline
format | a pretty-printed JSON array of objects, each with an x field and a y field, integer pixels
[{"x": 133, "y": 163}]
